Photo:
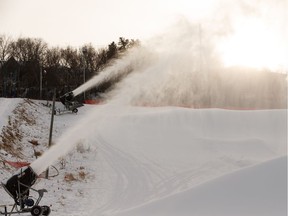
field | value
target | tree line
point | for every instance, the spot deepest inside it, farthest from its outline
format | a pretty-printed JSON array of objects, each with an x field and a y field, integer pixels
[{"x": 67, "y": 63}]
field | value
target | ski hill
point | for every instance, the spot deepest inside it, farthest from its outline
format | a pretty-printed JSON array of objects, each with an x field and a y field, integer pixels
[{"x": 117, "y": 160}]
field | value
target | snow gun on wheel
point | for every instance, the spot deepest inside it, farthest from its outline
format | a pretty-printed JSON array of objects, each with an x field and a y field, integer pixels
[
  {"x": 18, "y": 187},
  {"x": 68, "y": 100}
]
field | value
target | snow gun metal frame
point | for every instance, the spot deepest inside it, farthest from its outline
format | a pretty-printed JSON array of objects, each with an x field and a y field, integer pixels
[
  {"x": 18, "y": 187},
  {"x": 68, "y": 100}
]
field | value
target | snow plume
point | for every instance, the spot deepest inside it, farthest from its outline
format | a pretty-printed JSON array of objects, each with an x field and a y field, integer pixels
[
  {"x": 133, "y": 60},
  {"x": 62, "y": 147},
  {"x": 183, "y": 59}
]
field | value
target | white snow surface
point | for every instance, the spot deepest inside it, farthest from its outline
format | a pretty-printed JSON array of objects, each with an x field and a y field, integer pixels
[
  {"x": 7, "y": 105},
  {"x": 136, "y": 161},
  {"x": 257, "y": 190}
]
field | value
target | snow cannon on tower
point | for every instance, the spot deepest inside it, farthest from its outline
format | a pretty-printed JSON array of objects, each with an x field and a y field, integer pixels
[
  {"x": 68, "y": 100},
  {"x": 18, "y": 187}
]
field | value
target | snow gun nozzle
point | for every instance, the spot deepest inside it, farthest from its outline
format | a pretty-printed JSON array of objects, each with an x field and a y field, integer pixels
[{"x": 67, "y": 97}]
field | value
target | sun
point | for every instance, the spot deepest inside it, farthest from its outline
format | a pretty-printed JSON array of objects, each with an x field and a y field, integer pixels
[{"x": 253, "y": 44}]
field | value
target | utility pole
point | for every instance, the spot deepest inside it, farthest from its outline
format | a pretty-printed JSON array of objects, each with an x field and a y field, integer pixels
[
  {"x": 51, "y": 127},
  {"x": 41, "y": 79},
  {"x": 84, "y": 80},
  {"x": 200, "y": 49},
  {"x": 84, "y": 51}
]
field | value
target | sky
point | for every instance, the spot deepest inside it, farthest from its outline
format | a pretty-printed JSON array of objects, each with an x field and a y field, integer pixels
[{"x": 75, "y": 23}]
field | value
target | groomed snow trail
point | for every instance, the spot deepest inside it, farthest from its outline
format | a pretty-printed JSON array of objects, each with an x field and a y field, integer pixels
[
  {"x": 135, "y": 167},
  {"x": 259, "y": 190}
]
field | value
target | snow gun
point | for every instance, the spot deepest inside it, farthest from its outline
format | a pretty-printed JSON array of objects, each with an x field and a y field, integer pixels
[{"x": 18, "y": 187}]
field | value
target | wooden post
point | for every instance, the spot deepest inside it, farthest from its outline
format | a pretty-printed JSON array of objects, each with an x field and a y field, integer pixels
[
  {"x": 41, "y": 81},
  {"x": 51, "y": 127}
]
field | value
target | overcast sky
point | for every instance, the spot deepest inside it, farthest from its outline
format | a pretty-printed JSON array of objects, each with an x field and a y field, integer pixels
[
  {"x": 74, "y": 22},
  {"x": 253, "y": 23}
]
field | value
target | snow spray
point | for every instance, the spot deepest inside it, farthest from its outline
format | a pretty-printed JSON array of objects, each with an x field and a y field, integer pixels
[
  {"x": 133, "y": 60},
  {"x": 65, "y": 143},
  {"x": 83, "y": 132},
  {"x": 163, "y": 70}
]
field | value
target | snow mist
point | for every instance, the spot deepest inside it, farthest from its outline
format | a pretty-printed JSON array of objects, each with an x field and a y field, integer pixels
[{"x": 169, "y": 69}]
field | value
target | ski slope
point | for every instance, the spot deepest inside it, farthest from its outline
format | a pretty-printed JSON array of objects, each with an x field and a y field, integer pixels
[{"x": 161, "y": 161}]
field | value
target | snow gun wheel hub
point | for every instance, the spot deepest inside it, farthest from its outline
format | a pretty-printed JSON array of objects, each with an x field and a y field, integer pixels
[{"x": 36, "y": 210}]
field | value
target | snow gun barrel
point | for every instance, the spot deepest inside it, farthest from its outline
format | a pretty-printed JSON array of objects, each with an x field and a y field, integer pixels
[{"x": 21, "y": 182}]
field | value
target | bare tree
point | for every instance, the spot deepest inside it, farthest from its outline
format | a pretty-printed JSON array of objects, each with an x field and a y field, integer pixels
[
  {"x": 5, "y": 43},
  {"x": 89, "y": 58},
  {"x": 53, "y": 57},
  {"x": 70, "y": 58},
  {"x": 38, "y": 49},
  {"x": 27, "y": 49}
]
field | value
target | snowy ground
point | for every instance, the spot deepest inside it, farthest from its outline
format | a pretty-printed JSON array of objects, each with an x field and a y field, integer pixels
[{"x": 156, "y": 161}]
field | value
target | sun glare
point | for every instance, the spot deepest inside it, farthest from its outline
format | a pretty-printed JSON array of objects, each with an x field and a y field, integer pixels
[{"x": 254, "y": 45}]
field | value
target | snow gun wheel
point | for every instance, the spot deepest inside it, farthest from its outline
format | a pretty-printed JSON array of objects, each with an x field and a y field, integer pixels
[
  {"x": 36, "y": 210},
  {"x": 46, "y": 210},
  {"x": 75, "y": 110}
]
